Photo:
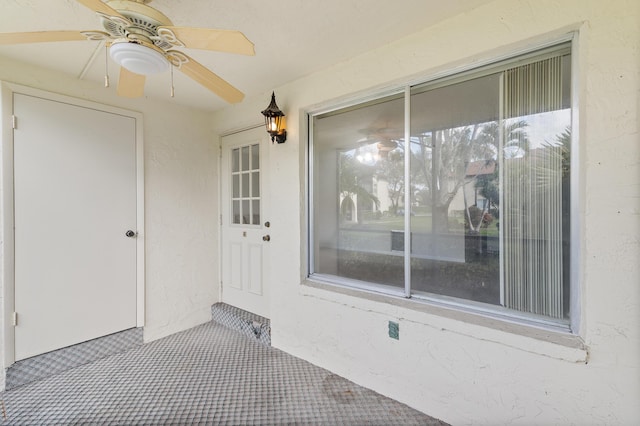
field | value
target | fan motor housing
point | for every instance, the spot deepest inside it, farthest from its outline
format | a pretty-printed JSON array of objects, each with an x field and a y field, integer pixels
[{"x": 145, "y": 21}]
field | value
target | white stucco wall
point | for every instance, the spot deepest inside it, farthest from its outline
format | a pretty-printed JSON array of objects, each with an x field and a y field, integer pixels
[
  {"x": 181, "y": 200},
  {"x": 454, "y": 367}
]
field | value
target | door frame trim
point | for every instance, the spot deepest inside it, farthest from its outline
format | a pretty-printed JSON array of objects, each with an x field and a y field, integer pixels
[
  {"x": 7, "y": 265},
  {"x": 220, "y": 200}
]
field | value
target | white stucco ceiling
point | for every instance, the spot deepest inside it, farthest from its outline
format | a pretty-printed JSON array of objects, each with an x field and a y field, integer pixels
[{"x": 292, "y": 38}]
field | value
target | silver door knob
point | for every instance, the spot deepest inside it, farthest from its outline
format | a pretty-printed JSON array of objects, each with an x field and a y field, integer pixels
[
  {"x": 130, "y": 233},
  {"x": 266, "y": 238}
]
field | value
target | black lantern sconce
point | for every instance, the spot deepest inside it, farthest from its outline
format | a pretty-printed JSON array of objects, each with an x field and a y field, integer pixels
[{"x": 274, "y": 120}]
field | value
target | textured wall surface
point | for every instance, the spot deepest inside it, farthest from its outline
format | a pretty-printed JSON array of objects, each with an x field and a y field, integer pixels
[
  {"x": 181, "y": 209},
  {"x": 453, "y": 368}
]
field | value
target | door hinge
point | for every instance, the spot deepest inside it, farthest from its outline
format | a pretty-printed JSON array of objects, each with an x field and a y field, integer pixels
[
  {"x": 220, "y": 220},
  {"x": 14, "y": 122},
  {"x": 14, "y": 319},
  {"x": 220, "y": 151}
]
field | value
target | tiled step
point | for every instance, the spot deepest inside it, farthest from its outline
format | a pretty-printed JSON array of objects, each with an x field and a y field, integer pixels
[
  {"x": 55, "y": 362},
  {"x": 247, "y": 323}
]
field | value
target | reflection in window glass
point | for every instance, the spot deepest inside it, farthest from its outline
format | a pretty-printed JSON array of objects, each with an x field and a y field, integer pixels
[
  {"x": 487, "y": 202},
  {"x": 236, "y": 186},
  {"x": 235, "y": 160},
  {"x": 245, "y": 158},
  {"x": 255, "y": 184},
  {"x": 246, "y": 212},
  {"x": 245, "y": 191},
  {"x": 359, "y": 193},
  {"x": 255, "y": 157},
  {"x": 245, "y": 185},
  {"x": 236, "y": 211},
  {"x": 255, "y": 210},
  {"x": 454, "y": 146},
  {"x": 535, "y": 179}
]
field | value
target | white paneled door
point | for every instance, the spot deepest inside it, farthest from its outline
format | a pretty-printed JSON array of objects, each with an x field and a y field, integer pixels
[
  {"x": 245, "y": 224},
  {"x": 75, "y": 201}
]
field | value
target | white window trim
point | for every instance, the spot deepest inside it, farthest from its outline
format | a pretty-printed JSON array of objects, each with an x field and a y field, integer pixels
[
  {"x": 536, "y": 339},
  {"x": 566, "y": 334}
]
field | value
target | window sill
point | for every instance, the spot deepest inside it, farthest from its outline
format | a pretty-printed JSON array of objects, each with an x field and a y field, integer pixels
[{"x": 545, "y": 341}]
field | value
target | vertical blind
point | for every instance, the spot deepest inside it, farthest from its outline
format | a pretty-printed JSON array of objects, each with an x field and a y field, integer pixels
[{"x": 532, "y": 195}]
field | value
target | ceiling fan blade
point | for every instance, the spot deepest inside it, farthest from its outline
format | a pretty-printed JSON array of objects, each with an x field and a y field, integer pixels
[
  {"x": 209, "y": 39},
  {"x": 211, "y": 81},
  {"x": 130, "y": 84},
  {"x": 41, "y": 36},
  {"x": 100, "y": 6}
]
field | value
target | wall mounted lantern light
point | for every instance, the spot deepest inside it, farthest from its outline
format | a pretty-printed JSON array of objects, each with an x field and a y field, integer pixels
[{"x": 275, "y": 122}]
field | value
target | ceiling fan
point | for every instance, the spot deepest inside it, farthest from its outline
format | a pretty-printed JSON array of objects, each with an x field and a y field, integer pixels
[
  {"x": 385, "y": 139},
  {"x": 141, "y": 39}
]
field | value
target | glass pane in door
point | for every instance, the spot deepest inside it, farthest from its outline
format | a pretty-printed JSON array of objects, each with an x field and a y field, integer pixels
[{"x": 245, "y": 185}]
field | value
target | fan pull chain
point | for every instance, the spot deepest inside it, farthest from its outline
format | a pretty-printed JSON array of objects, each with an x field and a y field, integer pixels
[
  {"x": 106, "y": 66},
  {"x": 172, "y": 89}
]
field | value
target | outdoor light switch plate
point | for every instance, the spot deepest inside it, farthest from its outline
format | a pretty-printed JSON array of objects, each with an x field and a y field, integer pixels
[{"x": 394, "y": 330}]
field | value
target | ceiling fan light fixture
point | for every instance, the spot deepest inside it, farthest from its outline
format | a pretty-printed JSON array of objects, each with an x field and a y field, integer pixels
[{"x": 139, "y": 58}]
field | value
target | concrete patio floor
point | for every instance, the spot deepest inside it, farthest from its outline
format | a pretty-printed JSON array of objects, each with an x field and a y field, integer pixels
[{"x": 209, "y": 374}]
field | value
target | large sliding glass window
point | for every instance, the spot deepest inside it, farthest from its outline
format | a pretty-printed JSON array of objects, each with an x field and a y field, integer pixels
[
  {"x": 454, "y": 152},
  {"x": 487, "y": 200},
  {"x": 359, "y": 190}
]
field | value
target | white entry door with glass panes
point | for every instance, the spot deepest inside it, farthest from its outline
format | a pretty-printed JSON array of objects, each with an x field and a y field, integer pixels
[{"x": 245, "y": 227}]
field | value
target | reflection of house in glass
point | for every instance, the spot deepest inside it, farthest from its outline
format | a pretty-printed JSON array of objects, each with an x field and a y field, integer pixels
[{"x": 471, "y": 194}]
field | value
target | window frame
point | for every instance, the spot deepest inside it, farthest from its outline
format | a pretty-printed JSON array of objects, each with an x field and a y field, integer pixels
[{"x": 568, "y": 43}]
